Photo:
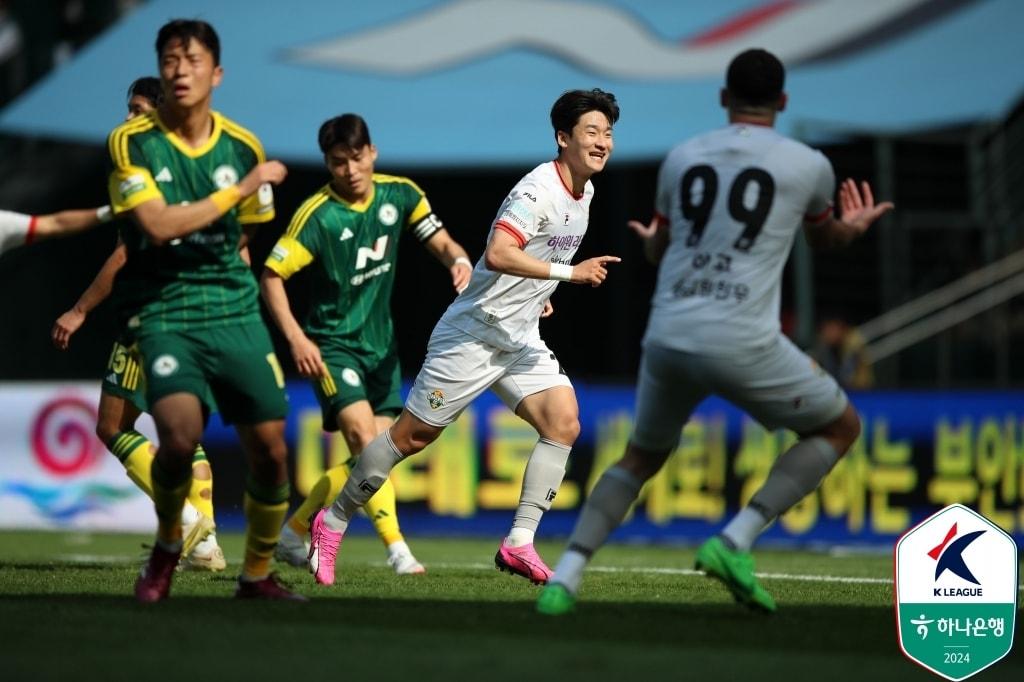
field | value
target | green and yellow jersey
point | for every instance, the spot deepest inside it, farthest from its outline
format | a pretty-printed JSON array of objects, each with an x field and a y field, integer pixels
[
  {"x": 353, "y": 250},
  {"x": 199, "y": 281}
]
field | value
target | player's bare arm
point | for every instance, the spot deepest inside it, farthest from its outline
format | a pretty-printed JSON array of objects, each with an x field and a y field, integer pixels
[
  {"x": 305, "y": 353},
  {"x": 451, "y": 254},
  {"x": 64, "y": 223},
  {"x": 162, "y": 222},
  {"x": 655, "y": 236},
  {"x": 504, "y": 255},
  {"x": 857, "y": 212},
  {"x": 100, "y": 288}
]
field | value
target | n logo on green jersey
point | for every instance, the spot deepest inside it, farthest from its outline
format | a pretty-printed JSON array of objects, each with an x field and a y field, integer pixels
[{"x": 364, "y": 254}]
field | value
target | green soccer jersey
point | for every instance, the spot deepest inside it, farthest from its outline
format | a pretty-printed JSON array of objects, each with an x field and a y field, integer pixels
[
  {"x": 199, "y": 281},
  {"x": 353, "y": 251}
]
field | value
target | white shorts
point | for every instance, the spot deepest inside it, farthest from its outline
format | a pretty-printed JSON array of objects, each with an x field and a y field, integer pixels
[
  {"x": 778, "y": 385},
  {"x": 459, "y": 367}
]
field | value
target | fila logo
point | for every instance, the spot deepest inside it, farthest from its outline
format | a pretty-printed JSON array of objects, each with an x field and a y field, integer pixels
[
  {"x": 365, "y": 486},
  {"x": 164, "y": 175},
  {"x": 376, "y": 253},
  {"x": 551, "y": 494},
  {"x": 346, "y": 234}
]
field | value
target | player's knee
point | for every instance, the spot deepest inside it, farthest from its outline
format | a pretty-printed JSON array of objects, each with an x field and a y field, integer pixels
[
  {"x": 106, "y": 429},
  {"x": 358, "y": 437},
  {"x": 643, "y": 464},
  {"x": 178, "y": 446},
  {"x": 845, "y": 430},
  {"x": 564, "y": 428}
]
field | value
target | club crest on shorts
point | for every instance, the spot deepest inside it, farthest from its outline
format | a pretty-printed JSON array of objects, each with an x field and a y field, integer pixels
[
  {"x": 165, "y": 365},
  {"x": 436, "y": 399},
  {"x": 956, "y": 592},
  {"x": 350, "y": 376}
]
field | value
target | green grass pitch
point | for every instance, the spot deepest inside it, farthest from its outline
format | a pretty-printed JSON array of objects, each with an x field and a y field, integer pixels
[{"x": 66, "y": 613}]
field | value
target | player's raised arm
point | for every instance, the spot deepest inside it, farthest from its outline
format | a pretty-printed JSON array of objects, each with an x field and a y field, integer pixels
[
  {"x": 857, "y": 211},
  {"x": 100, "y": 288},
  {"x": 504, "y": 255},
  {"x": 655, "y": 236},
  {"x": 162, "y": 222}
]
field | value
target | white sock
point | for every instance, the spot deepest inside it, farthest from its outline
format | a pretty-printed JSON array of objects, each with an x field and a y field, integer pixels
[
  {"x": 569, "y": 571},
  {"x": 367, "y": 476},
  {"x": 744, "y": 528},
  {"x": 518, "y": 536},
  {"x": 398, "y": 547}
]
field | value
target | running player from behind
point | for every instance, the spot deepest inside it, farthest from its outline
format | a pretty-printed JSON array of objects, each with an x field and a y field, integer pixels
[{"x": 728, "y": 206}]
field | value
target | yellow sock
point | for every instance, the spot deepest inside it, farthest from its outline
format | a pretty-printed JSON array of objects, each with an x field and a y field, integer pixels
[
  {"x": 136, "y": 454},
  {"x": 265, "y": 509},
  {"x": 322, "y": 493},
  {"x": 200, "y": 494},
  {"x": 168, "y": 499},
  {"x": 382, "y": 510}
]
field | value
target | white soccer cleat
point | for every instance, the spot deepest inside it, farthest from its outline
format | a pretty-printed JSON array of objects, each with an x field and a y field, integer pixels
[
  {"x": 206, "y": 556},
  {"x": 401, "y": 559},
  {"x": 195, "y": 526},
  {"x": 292, "y": 549}
]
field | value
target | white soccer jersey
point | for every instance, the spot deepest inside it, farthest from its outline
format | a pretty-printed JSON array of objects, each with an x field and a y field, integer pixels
[
  {"x": 14, "y": 229},
  {"x": 549, "y": 222},
  {"x": 734, "y": 199}
]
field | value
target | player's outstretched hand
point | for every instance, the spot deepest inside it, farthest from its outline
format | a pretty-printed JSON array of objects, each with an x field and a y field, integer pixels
[
  {"x": 644, "y": 231},
  {"x": 307, "y": 358},
  {"x": 65, "y": 326},
  {"x": 548, "y": 310},
  {"x": 273, "y": 172},
  {"x": 857, "y": 208},
  {"x": 593, "y": 271}
]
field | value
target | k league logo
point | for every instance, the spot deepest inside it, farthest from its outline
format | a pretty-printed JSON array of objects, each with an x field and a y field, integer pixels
[{"x": 956, "y": 592}]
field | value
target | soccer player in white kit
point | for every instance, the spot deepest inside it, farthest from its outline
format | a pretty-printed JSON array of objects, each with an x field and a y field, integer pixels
[
  {"x": 489, "y": 338},
  {"x": 728, "y": 206}
]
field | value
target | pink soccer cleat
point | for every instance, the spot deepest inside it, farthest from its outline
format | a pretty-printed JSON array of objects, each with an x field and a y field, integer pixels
[
  {"x": 323, "y": 550},
  {"x": 154, "y": 583},
  {"x": 522, "y": 561}
]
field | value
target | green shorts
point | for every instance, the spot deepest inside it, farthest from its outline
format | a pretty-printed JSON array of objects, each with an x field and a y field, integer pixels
[
  {"x": 124, "y": 377},
  {"x": 235, "y": 365},
  {"x": 354, "y": 377}
]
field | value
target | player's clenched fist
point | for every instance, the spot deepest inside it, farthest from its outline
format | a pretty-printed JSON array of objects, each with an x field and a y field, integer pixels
[
  {"x": 593, "y": 271},
  {"x": 273, "y": 172}
]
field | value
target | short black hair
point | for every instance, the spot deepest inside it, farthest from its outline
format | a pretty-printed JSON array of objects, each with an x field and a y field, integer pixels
[
  {"x": 185, "y": 30},
  {"x": 755, "y": 78},
  {"x": 567, "y": 109},
  {"x": 348, "y": 130},
  {"x": 148, "y": 87}
]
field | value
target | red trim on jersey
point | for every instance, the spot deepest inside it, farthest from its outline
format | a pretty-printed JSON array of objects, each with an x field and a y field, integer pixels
[
  {"x": 742, "y": 23},
  {"x": 821, "y": 217},
  {"x": 661, "y": 219},
  {"x": 568, "y": 189},
  {"x": 516, "y": 234},
  {"x": 31, "y": 234}
]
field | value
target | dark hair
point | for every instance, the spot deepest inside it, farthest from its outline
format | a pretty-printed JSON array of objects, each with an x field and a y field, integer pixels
[
  {"x": 567, "y": 109},
  {"x": 755, "y": 78},
  {"x": 147, "y": 87},
  {"x": 348, "y": 130},
  {"x": 185, "y": 30}
]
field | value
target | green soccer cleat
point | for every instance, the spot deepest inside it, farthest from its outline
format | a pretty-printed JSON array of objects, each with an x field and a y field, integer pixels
[
  {"x": 736, "y": 571},
  {"x": 555, "y": 600}
]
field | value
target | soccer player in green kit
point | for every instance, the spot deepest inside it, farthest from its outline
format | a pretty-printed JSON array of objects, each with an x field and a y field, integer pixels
[
  {"x": 192, "y": 180},
  {"x": 348, "y": 232}
]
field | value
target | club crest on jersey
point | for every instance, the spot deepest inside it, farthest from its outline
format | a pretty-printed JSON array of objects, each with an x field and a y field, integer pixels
[
  {"x": 224, "y": 176},
  {"x": 165, "y": 365},
  {"x": 436, "y": 399},
  {"x": 388, "y": 214}
]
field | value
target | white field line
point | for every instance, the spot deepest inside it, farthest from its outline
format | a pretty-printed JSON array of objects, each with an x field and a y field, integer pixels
[{"x": 650, "y": 570}]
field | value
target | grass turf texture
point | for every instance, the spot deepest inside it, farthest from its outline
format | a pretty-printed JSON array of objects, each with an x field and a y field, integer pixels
[{"x": 66, "y": 612}]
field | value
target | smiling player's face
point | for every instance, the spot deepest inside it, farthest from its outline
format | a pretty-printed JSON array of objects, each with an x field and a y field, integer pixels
[{"x": 587, "y": 149}]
